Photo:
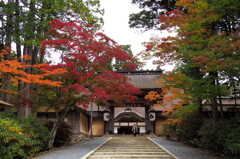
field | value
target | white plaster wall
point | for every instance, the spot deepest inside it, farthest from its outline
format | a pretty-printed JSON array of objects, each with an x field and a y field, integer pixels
[{"x": 142, "y": 130}]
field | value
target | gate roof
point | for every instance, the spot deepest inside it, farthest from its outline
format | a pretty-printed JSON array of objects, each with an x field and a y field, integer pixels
[
  {"x": 143, "y": 79},
  {"x": 128, "y": 117}
]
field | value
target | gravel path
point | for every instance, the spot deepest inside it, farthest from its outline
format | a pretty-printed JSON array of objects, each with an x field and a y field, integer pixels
[
  {"x": 184, "y": 151},
  {"x": 75, "y": 151}
]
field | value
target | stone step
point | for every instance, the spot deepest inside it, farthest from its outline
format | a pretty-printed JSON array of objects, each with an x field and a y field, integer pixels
[
  {"x": 130, "y": 147},
  {"x": 152, "y": 146},
  {"x": 130, "y": 143},
  {"x": 127, "y": 147},
  {"x": 130, "y": 153},
  {"x": 129, "y": 150},
  {"x": 138, "y": 144},
  {"x": 130, "y": 156},
  {"x": 120, "y": 145}
]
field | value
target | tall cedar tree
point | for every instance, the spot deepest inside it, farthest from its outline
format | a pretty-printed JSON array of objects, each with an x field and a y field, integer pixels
[{"x": 150, "y": 10}]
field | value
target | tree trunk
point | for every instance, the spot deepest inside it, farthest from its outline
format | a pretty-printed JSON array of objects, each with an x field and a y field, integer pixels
[
  {"x": 17, "y": 30},
  {"x": 9, "y": 22},
  {"x": 235, "y": 93},
  {"x": 214, "y": 107},
  {"x": 8, "y": 42},
  {"x": 91, "y": 121},
  {"x": 2, "y": 28},
  {"x": 220, "y": 99},
  {"x": 25, "y": 105},
  {"x": 221, "y": 107},
  {"x": 22, "y": 111},
  {"x": 60, "y": 118},
  {"x": 24, "y": 108}
]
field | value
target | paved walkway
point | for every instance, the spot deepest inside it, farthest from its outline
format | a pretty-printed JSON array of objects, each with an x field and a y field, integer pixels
[
  {"x": 184, "y": 151},
  {"x": 77, "y": 151}
]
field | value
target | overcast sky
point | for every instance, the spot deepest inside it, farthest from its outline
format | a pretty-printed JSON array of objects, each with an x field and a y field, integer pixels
[{"x": 116, "y": 26}]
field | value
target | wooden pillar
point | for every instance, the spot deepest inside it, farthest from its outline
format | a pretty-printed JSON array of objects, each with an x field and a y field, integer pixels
[
  {"x": 149, "y": 124},
  {"x": 106, "y": 128}
]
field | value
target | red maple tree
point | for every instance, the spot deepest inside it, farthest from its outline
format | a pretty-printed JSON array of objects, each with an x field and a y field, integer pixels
[{"x": 86, "y": 55}]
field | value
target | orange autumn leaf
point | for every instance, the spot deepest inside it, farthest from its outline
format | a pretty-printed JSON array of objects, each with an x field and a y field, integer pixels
[
  {"x": 26, "y": 57},
  {"x": 172, "y": 121},
  {"x": 152, "y": 96},
  {"x": 58, "y": 71},
  {"x": 19, "y": 71},
  {"x": 40, "y": 65},
  {"x": 14, "y": 81},
  {"x": 170, "y": 99},
  {"x": 8, "y": 91},
  {"x": 24, "y": 80}
]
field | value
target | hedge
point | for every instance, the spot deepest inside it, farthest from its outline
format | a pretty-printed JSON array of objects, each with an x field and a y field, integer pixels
[{"x": 21, "y": 137}]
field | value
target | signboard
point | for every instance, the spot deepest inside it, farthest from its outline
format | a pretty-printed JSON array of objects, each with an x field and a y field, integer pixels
[
  {"x": 106, "y": 116},
  {"x": 152, "y": 116}
]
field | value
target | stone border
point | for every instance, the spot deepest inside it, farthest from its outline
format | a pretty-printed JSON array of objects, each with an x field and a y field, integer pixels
[
  {"x": 163, "y": 148},
  {"x": 91, "y": 152}
]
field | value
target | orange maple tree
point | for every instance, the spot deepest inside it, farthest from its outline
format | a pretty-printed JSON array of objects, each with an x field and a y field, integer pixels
[
  {"x": 12, "y": 72},
  {"x": 171, "y": 98}
]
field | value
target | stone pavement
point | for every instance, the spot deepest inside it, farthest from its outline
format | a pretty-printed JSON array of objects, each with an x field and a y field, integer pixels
[
  {"x": 184, "y": 151},
  {"x": 133, "y": 147},
  {"x": 75, "y": 151}
]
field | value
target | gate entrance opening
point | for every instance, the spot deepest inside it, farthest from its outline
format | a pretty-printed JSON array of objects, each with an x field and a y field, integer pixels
[
  {"x": 125, "y": 130},
  {"x": 125, "y": 121}
]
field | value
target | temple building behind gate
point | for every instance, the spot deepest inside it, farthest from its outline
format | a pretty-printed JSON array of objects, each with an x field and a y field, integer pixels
[{"x": 119, "y": 119}]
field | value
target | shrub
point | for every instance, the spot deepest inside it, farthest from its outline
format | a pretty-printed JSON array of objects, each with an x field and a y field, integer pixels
[
  {"x": 186, "y": 129},
  {"x": 232, "y": 145},
  {"x": 213, "y": 135},
  {"x": 63, "y": 135},
  {"x": 222, "y": 136},
  {"x": 169, "y": 130},
  {"x": 38, "y": 132},
  {"x": 19, "y": 138}
]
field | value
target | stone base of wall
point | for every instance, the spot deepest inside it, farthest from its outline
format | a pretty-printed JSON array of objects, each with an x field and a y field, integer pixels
[{"x": 79, "y": 137}]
